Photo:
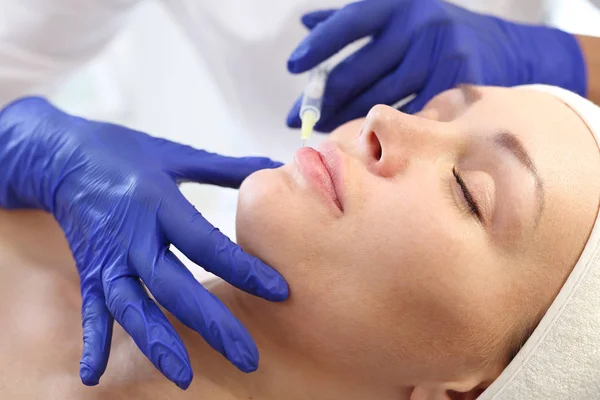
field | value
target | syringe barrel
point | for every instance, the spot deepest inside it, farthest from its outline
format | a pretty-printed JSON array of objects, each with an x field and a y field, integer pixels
[{"x": 312, "y": 98}]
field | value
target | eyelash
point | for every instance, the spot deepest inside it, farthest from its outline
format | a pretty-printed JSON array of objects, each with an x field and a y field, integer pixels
[{"x": 469, "y": 199}]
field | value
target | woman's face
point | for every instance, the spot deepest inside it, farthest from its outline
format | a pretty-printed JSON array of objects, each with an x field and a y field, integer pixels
[{"x": 420, "y": 248}]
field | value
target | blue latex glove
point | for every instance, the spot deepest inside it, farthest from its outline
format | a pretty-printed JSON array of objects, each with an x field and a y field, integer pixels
[
  {"x": 114, "y": 192},
  {"x": 426, "y": 47}
]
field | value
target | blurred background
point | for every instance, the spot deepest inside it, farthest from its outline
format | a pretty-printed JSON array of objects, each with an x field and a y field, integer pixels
[{"x": 151, "y": 78}]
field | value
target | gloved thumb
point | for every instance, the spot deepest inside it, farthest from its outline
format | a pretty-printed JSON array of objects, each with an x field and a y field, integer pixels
[
  {"x": 312, "y": 19},
  {"x": 185, "y": 163},
  {"x": 352, "y": 22}
]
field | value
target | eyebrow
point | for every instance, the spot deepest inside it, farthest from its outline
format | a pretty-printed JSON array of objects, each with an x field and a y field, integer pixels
[{"x": 510, "y": 142}]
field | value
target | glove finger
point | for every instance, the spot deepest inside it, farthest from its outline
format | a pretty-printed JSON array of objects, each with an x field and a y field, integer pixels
[
  {"x": 393, "y": 87},
  {"x": 206, "y": 246},
  {"x": 351, "y": 77},
  {"x": 185, "y": 163},
  {"x": 176, "y": 289},
  {"x": 349, "y": 24},
  {"x": 219, "y": 170},
  {"x": 312, "y": 19},
  {"x": 293, "y": 117},
  {"x": 448, "y": 74},
  {"x": 141, "y": 318},
  {"x": 97, "y": 336}
]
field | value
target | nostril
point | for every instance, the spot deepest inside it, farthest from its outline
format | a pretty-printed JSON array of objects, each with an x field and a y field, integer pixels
[{"x": 375, "y": 146}]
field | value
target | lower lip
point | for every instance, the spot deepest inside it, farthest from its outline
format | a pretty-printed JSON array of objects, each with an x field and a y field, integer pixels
[{"x": 311, "y": 165}]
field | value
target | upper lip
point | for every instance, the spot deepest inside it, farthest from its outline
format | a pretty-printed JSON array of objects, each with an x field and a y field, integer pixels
[{"x": 332, "y": 160}]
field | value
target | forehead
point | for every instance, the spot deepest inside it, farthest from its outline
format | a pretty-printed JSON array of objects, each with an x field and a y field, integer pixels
[
  {"x": 534, "y": 117},
  {"x": 553, "y": 135}
]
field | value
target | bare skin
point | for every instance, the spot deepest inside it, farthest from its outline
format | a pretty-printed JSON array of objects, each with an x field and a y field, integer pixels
[{"x": 403, "y": 294}]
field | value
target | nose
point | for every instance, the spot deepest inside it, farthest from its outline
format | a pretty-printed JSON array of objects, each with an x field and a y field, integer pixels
[{"x": 391, "y": 140}]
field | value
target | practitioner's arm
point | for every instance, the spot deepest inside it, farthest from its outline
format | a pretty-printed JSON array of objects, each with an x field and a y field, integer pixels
[{"x": 590, "y": 47}]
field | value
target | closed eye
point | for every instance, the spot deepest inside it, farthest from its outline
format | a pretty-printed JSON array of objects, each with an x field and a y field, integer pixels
[{"x": 467, "y": 195}]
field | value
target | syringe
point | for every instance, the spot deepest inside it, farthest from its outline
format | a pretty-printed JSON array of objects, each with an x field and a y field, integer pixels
[{"x": 312, "y": 99}]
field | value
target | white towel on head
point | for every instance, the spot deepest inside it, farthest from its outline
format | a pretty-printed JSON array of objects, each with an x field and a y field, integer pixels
[{"x": 561, "y": 359}]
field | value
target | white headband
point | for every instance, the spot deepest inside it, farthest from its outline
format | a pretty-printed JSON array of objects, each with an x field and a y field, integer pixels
[{"x": 561, "y": 359}]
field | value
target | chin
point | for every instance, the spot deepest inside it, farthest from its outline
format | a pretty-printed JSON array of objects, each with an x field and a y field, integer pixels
[{"x": 262, "y": 221}]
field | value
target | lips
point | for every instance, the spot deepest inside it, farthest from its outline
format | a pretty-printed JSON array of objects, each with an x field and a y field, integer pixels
[{"x": 321, "y": 169}]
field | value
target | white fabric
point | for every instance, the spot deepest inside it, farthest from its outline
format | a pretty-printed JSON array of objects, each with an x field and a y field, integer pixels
[{"x": 561, "y": 359}]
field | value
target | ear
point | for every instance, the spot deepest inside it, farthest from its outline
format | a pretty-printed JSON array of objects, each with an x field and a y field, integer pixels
[{"x": 447, "y": 392}]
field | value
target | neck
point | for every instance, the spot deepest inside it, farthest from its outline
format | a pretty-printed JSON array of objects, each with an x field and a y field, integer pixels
[{"x": 283, "y": 372}]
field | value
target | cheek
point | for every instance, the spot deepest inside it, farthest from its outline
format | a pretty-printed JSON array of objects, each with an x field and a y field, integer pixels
[
  {"x": 403, "y": 227},
  {"x": 414, "y": 256}
]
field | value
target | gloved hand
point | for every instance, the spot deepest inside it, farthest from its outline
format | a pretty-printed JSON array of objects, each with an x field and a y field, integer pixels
[
  {"x": 114, "y": 192},
  {"x": 426, "y": 47}
]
